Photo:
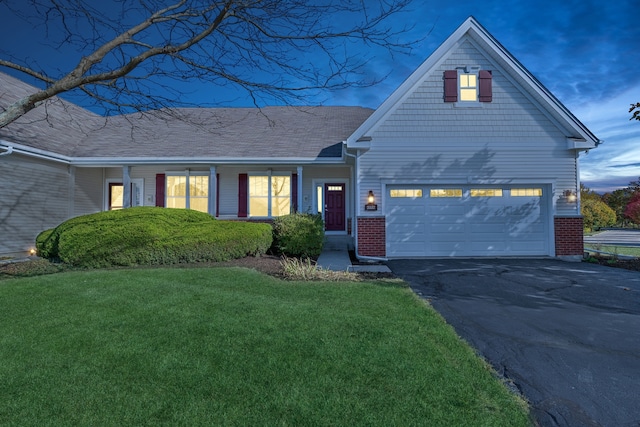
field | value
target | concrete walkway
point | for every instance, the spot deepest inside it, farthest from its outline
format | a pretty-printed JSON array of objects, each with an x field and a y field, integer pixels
[
  {"x": 335, "y": 257},
  {"x": 335, "y": 253}
]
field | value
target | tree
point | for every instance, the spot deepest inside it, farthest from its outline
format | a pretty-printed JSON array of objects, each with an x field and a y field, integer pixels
[
  {"x": 595, "y": 213},
  {"x": 618, "y": 200},
  {"x": 636, "y": 113},
  {"x": 632, "y": 211},
  {"x": 587, "y": 193},
  {"x": 270, "y": 48}
]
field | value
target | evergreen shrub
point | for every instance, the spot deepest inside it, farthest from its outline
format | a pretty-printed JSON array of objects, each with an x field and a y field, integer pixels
[
  {"x": 298, "y": 235},
  {"x": 151, "y": 236}
]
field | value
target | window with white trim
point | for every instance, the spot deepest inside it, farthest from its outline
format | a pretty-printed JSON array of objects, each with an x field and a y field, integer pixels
[
  {"x": 197, "y": 196},
  {"x": 468, "y": 87},
  {"x": 269, "y": 195}
]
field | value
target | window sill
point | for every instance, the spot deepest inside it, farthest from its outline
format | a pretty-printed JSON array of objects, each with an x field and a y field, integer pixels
[{"x": 468, "y": 104}]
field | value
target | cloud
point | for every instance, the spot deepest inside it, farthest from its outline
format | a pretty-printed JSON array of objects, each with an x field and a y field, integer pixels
[{"x": 617, "y": 161}]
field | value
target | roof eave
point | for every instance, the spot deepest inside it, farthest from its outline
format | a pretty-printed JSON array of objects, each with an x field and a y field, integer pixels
[{"x": 132, "y": 161}]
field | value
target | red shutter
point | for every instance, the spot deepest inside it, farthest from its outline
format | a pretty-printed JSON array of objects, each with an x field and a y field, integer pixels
[
  {"x": 243, "y": 183},
  {"x": 451, "y": 86},
  {"x": 217, "y": 195},
  {"x": 485, "y": 86},
  {"x": 294, "y": 192},
  {"x": 160, "y": 184}
]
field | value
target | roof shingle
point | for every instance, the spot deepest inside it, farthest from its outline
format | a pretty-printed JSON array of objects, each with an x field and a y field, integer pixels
[{"x": 225, "y": 133}]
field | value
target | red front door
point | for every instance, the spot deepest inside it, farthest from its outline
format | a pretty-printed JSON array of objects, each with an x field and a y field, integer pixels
[{"x": 334, "y": 212}]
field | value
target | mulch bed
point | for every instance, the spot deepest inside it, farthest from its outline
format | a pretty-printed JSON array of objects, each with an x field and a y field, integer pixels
[
  {"x": 627, "y": 264},
  {"x": 268, "y": 264}
]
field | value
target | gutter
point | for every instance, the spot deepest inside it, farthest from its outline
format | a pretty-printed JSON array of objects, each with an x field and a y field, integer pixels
[
  {"x": 140, "y": 161},
  {"x": 8, "y": 151},
  {"x": 34, "y": 152}
]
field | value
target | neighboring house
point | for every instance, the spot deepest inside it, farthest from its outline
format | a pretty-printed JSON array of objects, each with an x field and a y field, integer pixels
[{"x": 470, "y": 156}]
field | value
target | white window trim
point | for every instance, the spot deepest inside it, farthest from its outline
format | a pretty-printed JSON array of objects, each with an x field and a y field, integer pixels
[
  {"x": 138, "y": 182},
  {"x": 187, "y": 173},
  {"x": 469, "y": 104},
  {"x": 268, "y": 173}
]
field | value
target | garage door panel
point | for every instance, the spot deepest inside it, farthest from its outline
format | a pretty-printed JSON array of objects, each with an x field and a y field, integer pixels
[
  {"x": 468, "y": 226},
  {"x": 527, "y": 246},
  {"x": 408, "y": 210},
  {"x": 449, "y": 238},
  {"x": 490, "y": 248},
  {"x": 488, "y": 228},
  {"x": 408, "y": 234},
  {"x": 447, "y": 210},
  {"x": 526, "y": 230},
  {"x": 447, "y": 228},
  {"x": 446, "y": 248}
]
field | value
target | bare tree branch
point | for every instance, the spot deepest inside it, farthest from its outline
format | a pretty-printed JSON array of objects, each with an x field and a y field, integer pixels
[{"x": 270, "y": 48}]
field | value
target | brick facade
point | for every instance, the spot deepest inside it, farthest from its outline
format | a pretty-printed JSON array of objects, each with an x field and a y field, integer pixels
[
  {"x": 568, "y": 236},
  {"x": 371, "y": 236}
]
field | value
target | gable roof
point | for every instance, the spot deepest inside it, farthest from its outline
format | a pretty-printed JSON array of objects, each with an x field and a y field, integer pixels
[
  {"x": 472, "y": 30},
  {"x": 60, "y": 130}
]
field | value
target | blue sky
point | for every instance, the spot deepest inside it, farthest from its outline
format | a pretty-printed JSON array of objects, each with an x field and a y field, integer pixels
[{"x": 585, "y": 52}]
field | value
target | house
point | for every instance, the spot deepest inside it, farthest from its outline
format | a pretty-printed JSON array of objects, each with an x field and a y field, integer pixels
[{"x": 470, "y": 156}]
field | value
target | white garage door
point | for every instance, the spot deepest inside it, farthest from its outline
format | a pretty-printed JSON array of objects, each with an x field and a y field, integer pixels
[{"x": 467, "y": 221}]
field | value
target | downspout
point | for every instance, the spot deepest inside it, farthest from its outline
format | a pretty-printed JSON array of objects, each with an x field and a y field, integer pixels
[
  {"x": 578, "y": 198},
  {"x": 356, "y": 207},
  {"x": 8, "y": 151}
]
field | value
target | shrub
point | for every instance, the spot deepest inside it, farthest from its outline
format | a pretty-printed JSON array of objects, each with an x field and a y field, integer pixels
[
  {"x": 298, "y": 235},
  {"x": 47, "y": 244},
  {"x": 151, "y": 236}
]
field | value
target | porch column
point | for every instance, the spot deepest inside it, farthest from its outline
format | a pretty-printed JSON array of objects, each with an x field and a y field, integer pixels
[
  {"x": 126, "y": 184},
  {"x": 212, "y": 191},
  {"x": 299, "y": 189}
]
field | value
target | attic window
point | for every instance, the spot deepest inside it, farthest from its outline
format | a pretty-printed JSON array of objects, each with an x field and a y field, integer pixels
[
  {"x": 462, "y": 87},
  {"x": 468, "y": 85}
]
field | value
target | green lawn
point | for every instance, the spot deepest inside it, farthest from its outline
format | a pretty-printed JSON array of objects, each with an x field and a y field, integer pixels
[{"x": 229, "y": 346}]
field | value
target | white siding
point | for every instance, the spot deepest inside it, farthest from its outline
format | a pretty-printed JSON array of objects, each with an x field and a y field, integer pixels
[
  {"x": 509, "y": 140},
  {"x": 34, "y": 196},
  {"x": 89, "y": 191}
]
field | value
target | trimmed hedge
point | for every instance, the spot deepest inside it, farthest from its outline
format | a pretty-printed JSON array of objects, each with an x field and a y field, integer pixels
[
  {"x": 151, "y": 236},
  {"x": 298, "y": 235}
]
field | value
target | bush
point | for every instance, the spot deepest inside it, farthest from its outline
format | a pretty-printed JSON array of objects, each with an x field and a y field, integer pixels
[
  {"x": 151, "y": 236},
  {"x": 47, "y": 244},
  {"x": 298, "y": 235}
]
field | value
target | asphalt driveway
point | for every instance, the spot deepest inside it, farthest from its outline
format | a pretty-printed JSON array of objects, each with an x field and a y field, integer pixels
[{"x": 567, "y": 335}]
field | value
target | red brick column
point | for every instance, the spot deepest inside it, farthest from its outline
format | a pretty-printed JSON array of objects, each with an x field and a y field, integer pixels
[
  {"x": 569, "y": 236},
  {"x": 371, "y": 236}
]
